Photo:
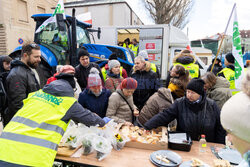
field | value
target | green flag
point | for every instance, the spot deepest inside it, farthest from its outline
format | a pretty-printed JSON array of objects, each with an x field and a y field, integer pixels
[
  {"x": 237, "y": 52},
  {"x": 59, "y": 9}
]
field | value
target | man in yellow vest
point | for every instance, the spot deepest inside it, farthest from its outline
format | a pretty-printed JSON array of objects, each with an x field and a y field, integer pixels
[
  {"x": 31, "y": 138},
  {"x": 134, "y": 47},
  {"x": 123, "y": 72},
  {"x": 127, "y": 43},
  {"x": 153, "y": 67},
  {"x": 229, "y": 72}
]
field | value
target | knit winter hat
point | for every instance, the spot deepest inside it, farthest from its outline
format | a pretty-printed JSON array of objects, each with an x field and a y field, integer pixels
[
  {"x": 94, "y": 78},
  {"x": 128, "y": 83},
  {"x": 144, "y": 54},
  {"x": 113, "y": 63},
  {"x": 82, "y": 52},
  {"x": 67, "y": 69},
  {"x": 230, "y": 57},
  {"x": 196, "y": 85}
]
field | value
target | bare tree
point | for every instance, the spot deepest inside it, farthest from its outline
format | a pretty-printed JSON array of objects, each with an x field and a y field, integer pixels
[{"x": 174, "y": 12}]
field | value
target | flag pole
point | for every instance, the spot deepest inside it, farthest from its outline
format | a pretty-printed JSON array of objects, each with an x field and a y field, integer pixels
[{"x": 223, "y": 36}]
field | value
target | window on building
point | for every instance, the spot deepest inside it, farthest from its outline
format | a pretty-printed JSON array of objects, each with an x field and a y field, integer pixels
[
  {"x": 40, "y": 10},
  {"x": 22, "y": 11}
]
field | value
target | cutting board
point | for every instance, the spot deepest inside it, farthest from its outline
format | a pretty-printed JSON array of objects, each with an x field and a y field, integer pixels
[{"x": 66, "y": 151}]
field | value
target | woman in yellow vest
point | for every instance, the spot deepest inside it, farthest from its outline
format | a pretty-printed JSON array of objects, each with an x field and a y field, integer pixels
[
  {"x": 229, "y": 72},
  {"x": 32, "y": 136}
]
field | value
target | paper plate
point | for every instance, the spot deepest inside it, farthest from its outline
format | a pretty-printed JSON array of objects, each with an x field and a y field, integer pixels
[
  {"x": 169, "y": 154},
  {"x": 188, "y": 164},
  {"x": 231, "y": 155}
]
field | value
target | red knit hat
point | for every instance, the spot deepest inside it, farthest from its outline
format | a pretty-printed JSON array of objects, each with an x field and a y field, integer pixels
[
  {"x": 67, "y": 69},
  {"x": 128, "y": 83}
]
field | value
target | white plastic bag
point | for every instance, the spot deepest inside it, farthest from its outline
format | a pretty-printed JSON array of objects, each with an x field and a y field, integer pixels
[
  {"x": 87, "y": 143},
  {"x": 102, "y": 146}
]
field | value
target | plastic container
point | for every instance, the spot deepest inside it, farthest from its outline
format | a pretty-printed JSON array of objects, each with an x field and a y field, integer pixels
[
  {"x": 179, "y": 144},
  {"x": 202, "y": 144}
]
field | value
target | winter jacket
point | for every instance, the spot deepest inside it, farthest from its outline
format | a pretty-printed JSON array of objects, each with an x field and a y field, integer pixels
[
  {"x": 20, "y": 82},
  {"x": 82, "y": 73},
  {"x": 112, "y": 83},
  {"x": 193, "y": 119},
  {"x": 220, "y": 92},
  {"x": 118, "y": 109},
  {"x": 217, "y": 68},
  {"x": 95, "y": 104},
  {"x": 148, "y": 84},
  {"x": 160, "y": 100},
  {"x": 58, "y": 88}
]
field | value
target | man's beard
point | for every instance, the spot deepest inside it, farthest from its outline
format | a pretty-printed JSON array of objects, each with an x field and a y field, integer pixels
[{"x": 32, "y": 65}]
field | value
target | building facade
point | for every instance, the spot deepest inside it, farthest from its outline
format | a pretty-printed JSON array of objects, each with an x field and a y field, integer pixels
[
  {"x": 105, "y": 12},
  {"x": 16, "y": 24}
]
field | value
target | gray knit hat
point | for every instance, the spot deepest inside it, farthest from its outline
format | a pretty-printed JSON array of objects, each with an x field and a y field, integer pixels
[{"x": 113, "y": 63}]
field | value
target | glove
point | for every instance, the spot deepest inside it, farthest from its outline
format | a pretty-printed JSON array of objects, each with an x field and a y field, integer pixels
[{"x": 106, "y": 119}]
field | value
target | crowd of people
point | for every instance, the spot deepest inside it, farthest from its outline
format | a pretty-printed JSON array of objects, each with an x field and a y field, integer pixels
[{"x": 91, "y": 95}]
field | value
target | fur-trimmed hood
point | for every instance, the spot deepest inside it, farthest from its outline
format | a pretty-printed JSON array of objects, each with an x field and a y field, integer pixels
[{"x": 184, "y": 58}]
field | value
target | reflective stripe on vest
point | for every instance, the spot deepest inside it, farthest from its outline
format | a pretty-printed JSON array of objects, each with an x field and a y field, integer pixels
[
  {"x": 34, "y": 124},
  {"x": 29, "y": 140},
  {"x": 192, "y": 68},
  {"x": 153, "y": 67},
  {"x": 229, "y": 75},
  {"x": 32, "y": 136},
  {"x": 104, "y": 72}
]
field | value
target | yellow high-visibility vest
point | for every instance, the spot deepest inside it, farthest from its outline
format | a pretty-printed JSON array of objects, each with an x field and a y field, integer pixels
[
  {"x": 153, "y": 67},
  {"x": 229, "y": 75},
  {"x": 134, "y": 49},
  {"x": 192, "y": 68},
  {"x": 32, "y": 136},
  {"x": 104, "y": 72}
]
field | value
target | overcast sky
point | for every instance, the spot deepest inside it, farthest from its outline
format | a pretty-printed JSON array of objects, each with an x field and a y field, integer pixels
[{"x": 207, "y": 17}]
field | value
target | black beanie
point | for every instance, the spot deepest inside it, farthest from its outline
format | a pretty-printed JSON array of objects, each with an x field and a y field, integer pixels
[
  {"x": 196, "y": 85},
  {"x": 230, "y": 58},
  {"x": 67, "y": 77},
  {"x": 113, "y": 56},
  {"x": 82, "y": 52}
]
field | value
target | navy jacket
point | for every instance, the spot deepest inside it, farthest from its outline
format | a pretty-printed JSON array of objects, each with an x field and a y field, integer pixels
[
  {"x": 95, "y": 104},
  {"x": 192, "y": 119}
]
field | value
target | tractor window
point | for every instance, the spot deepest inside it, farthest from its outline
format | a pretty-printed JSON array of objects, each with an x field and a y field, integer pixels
[
  {"x": 82, "y": 36},
  {"x": 119, "y": 52},
  {"x": 56, "y": 41}
]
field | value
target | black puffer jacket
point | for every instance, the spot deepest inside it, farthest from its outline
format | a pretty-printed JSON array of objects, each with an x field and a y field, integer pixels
[
  {"x": 148, "y": 83},
  {"x": 82, "y": 74},
  {"x": 20, "y": 82},
  {"x": 192, "y": 119}
]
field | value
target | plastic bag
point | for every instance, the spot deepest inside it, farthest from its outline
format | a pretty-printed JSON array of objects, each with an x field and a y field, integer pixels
[
  {"x": 102, "y": 146},
  {"x": 70, "y": 136},
  {"x": 118, "y": 141},
  {"x": 87, "y": 143}
]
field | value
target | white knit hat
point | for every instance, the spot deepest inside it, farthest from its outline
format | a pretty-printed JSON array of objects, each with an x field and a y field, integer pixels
[
  {"x": 235, "y": 116},
  {"x": 144, "y": 54},
  {"x": 94, "y": 78},
  {"x": 113, "y": 63}
]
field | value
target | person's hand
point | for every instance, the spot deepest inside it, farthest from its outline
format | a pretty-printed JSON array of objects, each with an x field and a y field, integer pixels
[
  {"x": 106, "y": 119},
  {"x": 136, "y": 113},
  {"x": 128, "y": 124}
]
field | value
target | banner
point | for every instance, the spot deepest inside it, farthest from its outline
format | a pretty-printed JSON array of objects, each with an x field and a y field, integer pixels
[{"x": 59, "y": 9}]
